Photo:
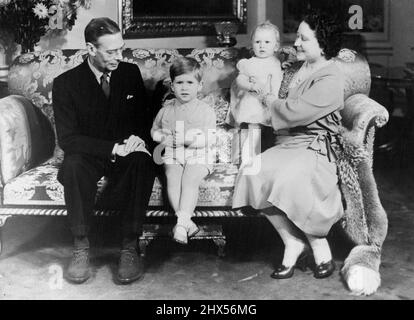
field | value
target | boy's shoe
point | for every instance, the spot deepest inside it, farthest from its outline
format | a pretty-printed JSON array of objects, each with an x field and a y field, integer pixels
[
  {"x": 192, "y": 229},
  {"x": 180, "y": 234},
  {"x": 78, "y": 270}
]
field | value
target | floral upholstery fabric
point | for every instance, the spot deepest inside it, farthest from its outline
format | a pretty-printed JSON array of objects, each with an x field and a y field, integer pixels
[
  {"x": 32, "y": 74},
  {"x": 218, "y": 66},
  {"x": 39, "y": 186}
]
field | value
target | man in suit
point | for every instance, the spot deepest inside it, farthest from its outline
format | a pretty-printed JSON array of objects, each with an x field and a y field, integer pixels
[{"x": 103, "y": 127}]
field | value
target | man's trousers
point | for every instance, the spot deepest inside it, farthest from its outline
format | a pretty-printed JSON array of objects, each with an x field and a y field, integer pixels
[{"x": 130, "y": 184}]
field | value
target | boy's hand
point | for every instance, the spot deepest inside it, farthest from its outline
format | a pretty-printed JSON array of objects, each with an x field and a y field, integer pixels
[
  {"x": 166, "y": 131},
  {"x": 168, "y": 140},
  {"x": 178, "y": 140},
  {"x": 179, "y": 137}
]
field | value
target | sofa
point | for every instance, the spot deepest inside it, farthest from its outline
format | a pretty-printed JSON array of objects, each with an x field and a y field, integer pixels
[{"x": 30, "y": 155}]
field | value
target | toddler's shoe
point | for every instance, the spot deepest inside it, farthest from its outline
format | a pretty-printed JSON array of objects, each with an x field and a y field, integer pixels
[
  {"x": 192, "y": 229},
  {"x": 180, "y": 234}
]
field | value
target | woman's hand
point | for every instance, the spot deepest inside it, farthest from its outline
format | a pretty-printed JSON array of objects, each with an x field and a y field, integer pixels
[
  {"x": 287, "y": 64},
  {"x": 268, "y": 98}
]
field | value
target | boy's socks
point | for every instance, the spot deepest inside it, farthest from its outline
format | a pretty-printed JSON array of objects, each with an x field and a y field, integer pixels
[{"x": 183, "y": 218}]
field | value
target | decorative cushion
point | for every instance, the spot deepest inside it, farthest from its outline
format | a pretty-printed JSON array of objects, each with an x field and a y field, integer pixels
[
  {"x": 32, "y": 74},
  {"x": 39, "y": 186},
  {"x": 15, "y": 148},
  {"x": 218, "y": 66},
  {"x": 154, "y": 64}
]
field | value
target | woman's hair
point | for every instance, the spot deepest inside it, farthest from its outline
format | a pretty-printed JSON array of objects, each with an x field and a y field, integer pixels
[
  {"x": 267, "y": 25},
  {"x": 185, "y": 65},
  {"x": 99, "y": 27},
  {"x": 328, "y": 31}
]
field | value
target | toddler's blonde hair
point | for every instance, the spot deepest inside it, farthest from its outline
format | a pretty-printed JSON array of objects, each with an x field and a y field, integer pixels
[{"x": 267, "y": 25}]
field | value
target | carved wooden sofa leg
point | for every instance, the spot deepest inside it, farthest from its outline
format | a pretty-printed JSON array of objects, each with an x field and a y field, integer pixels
[
  {"x": 221, "y": 244},
  {"x": 212, "y": 232},
  {"x": 143, "y": 244}
]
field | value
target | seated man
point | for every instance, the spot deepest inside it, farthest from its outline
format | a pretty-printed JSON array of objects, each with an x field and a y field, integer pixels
[{"x": 102, "y": 126}]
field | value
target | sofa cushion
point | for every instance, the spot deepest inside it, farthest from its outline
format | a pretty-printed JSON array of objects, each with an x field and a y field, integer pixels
[
  {"x": 154, "y": 64},
  {"x": 26, "y": 137},
  {"x": 15, "y": 138},
  {"x": 39, "y": 186},
  {"x": 218, "y": 66}
]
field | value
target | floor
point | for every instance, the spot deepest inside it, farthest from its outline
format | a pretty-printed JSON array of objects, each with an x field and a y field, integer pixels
[{"x": 37, "y": 248}]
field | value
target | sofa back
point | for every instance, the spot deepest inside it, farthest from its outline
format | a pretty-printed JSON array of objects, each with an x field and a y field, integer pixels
[{"x": 31, "y": 75}]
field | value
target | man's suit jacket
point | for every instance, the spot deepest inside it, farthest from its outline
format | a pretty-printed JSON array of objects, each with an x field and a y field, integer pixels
[{"x": 87, "y": 122}]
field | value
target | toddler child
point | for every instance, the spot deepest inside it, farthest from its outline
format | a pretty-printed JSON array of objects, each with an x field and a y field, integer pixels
[{"x": 261, "y": 72}]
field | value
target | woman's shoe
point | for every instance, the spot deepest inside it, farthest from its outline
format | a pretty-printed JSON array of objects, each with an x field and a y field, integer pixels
[
  {"x": 302, "y": 263},
  {"x": 283, "y": 272},
  {"x": 324, "y": 269},
  {"x": 180, "y": 234}
]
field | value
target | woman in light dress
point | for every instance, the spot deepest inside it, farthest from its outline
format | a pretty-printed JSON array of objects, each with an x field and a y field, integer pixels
[{"x": 296, "y": 186}]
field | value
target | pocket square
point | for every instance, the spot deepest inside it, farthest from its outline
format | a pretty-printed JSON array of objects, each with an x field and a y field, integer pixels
[{"x": 129, "y": 96}]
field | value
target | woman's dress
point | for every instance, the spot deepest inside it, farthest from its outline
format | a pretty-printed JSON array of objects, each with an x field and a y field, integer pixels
[{"x": 299, "y": 175}]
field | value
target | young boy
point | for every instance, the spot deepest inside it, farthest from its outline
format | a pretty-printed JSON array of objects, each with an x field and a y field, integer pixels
[{"x": 185, "y": 127}]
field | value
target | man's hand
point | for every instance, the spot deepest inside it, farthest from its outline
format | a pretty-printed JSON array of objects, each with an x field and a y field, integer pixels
[
  {"x": 141, "y": 148},
  {"x": 132, "y": 143},
  {"x": 120, "y": 150}
]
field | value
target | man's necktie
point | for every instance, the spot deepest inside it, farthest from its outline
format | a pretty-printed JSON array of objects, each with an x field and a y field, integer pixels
[{"x": 105, "y": 84}]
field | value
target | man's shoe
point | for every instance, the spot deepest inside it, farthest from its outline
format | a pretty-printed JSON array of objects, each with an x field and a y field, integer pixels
[
  {"x": 130, "y": 267},
  {"x": 78, "y": 270}
]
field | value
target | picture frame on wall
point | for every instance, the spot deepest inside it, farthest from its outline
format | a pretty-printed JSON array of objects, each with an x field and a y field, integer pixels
[
  {"x": 375, "y": 16},
  {"x": 174, "y": 18}
]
